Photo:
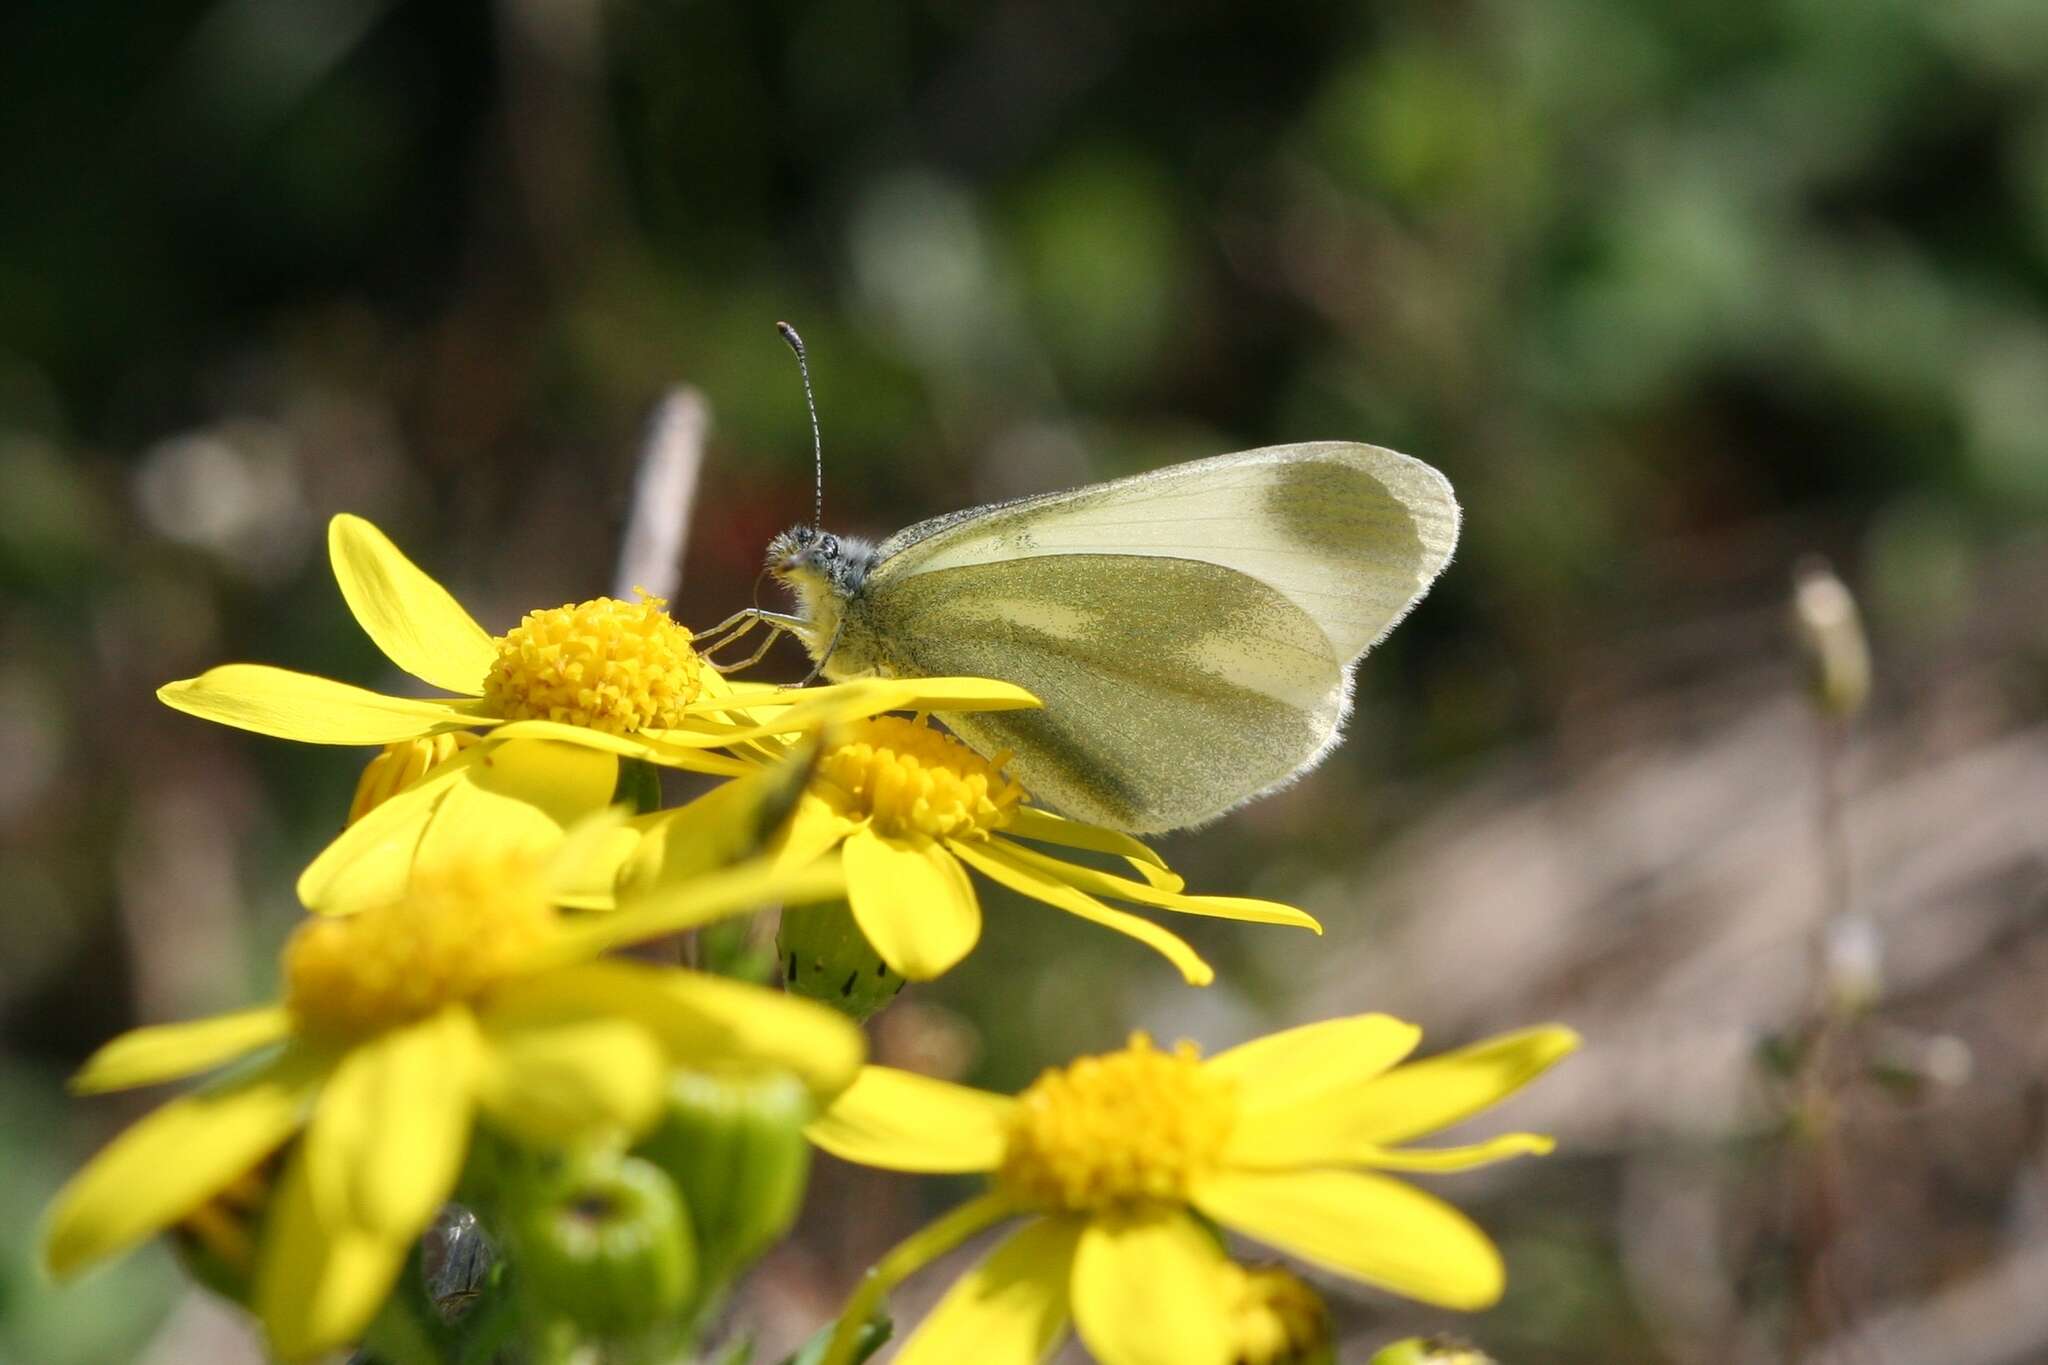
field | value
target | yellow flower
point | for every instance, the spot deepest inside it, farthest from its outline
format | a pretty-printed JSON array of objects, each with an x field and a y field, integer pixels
[
  {"x": 470, "y": 998},
  {"x": 620, "y": 678},
  {"x": 1117, "y": 1158},
  {"x": 910, "y": 811}
]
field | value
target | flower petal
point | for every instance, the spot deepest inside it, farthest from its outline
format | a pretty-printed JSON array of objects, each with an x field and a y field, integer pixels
[
  {"x": 667, "y": 910},
  {"x": 388, "y": 1137},
  {"x": 165, "y": 1052},
  {"x": 705, "y": 1021},
  {"x": 733, "y": 821},
  {"x": 1442, "y": 1160},
  {"x": 901, "y": 1121},
  {"x": 553, "y": 1083},
  {"x": 520, "y": 796},
  {"x": 1029, "y": 822},
  {"x": 807, "y": 707},
  {"x": 318, "y": 1283},
  {"x": 1150, "y": 1291},
  {"x": 1301, "y": 1063},
  {"x": 1438, "y": 1091},
  {"x": 1370, "y": 1227},
  {"x": 630, "y": 746},
  {"x": 913, "y": 902},
  {"x": 288, "y": 705},
  {"x": 413, "y": 619},
  {"x": 175, "y": 1159},
  {"x": 1098, "y": 883},
  {"x": 1009, "y": 1310},
  {"x": 994, "y": 860}
]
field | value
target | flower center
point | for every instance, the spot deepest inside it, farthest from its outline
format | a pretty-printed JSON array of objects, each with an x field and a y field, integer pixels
[
  {"x": 398, "y": 766},
  {"x": 459, "y": 929},
  {"x": 909, "y": 778},
  {"x": 1275, "y": 1318},
  {"x": 1120, "y": 1130},
  {"x": 603, "y": 664}
]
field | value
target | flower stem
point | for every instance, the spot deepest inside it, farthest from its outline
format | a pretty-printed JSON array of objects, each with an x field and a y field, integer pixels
[{"x": 909, "y": 1256}]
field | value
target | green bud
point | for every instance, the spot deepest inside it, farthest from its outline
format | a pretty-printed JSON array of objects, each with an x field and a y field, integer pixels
[
  {"x": 826, "y": 958},
  {"x": 605, "y": 1244},
  {"x": 734, "y": 1146},
  {"x": 1430, "y": 1351}
]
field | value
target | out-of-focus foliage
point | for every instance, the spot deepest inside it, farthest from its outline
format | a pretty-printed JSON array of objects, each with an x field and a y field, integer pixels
[{"x": 1672, "y": 291}]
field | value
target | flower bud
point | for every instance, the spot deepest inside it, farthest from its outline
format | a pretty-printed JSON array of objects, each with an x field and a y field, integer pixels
[
  {"x": 826, "y": 958},
  {"x": 1430, "y": 1351},
  {"x": 398, "y": 766},
  {"x": 734, "y": 1146},
  {"x": 1276, "y": 1318},
  {"x": 605, "y": 1243},
  {"x": 1830, "y": 634}
]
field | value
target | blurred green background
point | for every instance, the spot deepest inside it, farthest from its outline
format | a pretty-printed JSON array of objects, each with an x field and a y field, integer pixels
[{"x": 1674, "y": 292}]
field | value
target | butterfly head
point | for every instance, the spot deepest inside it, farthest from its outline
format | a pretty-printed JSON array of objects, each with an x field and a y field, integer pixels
[{"x": 810, "y": 561}]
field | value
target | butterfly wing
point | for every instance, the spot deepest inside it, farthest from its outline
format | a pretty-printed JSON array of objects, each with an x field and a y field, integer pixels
[{"x": 1191, "y": 630}]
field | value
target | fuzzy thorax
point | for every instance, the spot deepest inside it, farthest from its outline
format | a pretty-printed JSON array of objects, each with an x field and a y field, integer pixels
[{"x": 824, "y": 572}]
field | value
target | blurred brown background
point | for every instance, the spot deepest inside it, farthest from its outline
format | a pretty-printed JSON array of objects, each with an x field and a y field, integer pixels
[{"x": 1675, "y": 293}]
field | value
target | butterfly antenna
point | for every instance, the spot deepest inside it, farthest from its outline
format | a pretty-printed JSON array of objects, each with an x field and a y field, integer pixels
[{"x": 803, "y": 365}]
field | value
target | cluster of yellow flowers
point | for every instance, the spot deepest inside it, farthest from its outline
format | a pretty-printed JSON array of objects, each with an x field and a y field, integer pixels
[{"x": 455, "y": 1025}]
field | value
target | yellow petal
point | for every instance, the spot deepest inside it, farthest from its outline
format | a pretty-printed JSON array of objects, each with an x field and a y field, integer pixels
[
  {"x": 174, "y": 1160},
  {"x": 318, "y": 1283},
  {"x": 690, "y": 759},
  {"x": 392, "y": 1126},
  {"x": 1028, "y": 822},
  {"x": 1009, "y": 1310},
  {"x": 1098, "y": 883},
  {"x": 413, "y": 619},
  {"x": 1370, "y": 1227},
  {"x": 993, "y": 860},
  {"x": 662, "y": 910},
  {"x": 901, "y": 1121},
  {"x": 806, "y": 707},
  {"x": 1438, "y": 1091},
  {"x": 583, "y": 873},
  {"x": 815, "y": 830},
  {"x": 1441, "y": 1160},
  {"x": 736, "y": 820},
  {"x": 1285, "y": 1069},
  {"x": 1150, "y": 1291},
  {"x": 912, "y": 901},
  {"x": 704, "y": 1021},
  {"x": 288, "y": 705},
  {"x": 557, "y": 1082},
  {"x": 166, "y": 1052}
]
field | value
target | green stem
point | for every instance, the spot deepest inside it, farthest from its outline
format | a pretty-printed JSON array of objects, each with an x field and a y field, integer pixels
[{"x": 908, "y": 1257}]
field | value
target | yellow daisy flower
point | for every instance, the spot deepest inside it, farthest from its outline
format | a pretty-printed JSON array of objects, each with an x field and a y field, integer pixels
[
  {"x": 618, "y": 677},
  {"x": 909, "y": 810},
  {"x": 1117, "y": 1159},
  {"x": 469, "y": 998}
]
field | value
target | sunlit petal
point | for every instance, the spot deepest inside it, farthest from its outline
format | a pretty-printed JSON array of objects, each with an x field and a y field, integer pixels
[
  {"x": 318, "y": 1283},
  {"x": 913, "y": 902},
  {"x": 413, "y": 619},
  {"x": 803, "y": 707},
  {"x": 1424, "y": 1096},
  {"x": 1150, "y": 1291},
  {"x": 696, "y": 1019},
  {"x": 1367, "y": 1226},
  {"x": 165, "y": 1052},
  {"x": 1009, "y": 1310},
  {"x": 288, "y": 705},
  {"x": 1028, "y": 822},
  {"x": 628, "y": 746},
  {"x": 664, "y": 910},
  {"x": 901, "y": 1121},
  {"x": 1442, "y": 1160},
  {"x": 1287, "y": 1068},
  {"x": 1095, "y": 882},
  {"x": 555, "y": 1082},
  {"x": 392, "y": 1126},
  {"x": 993, "y": 860},
  {"x": 174, "y": 1160}
]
